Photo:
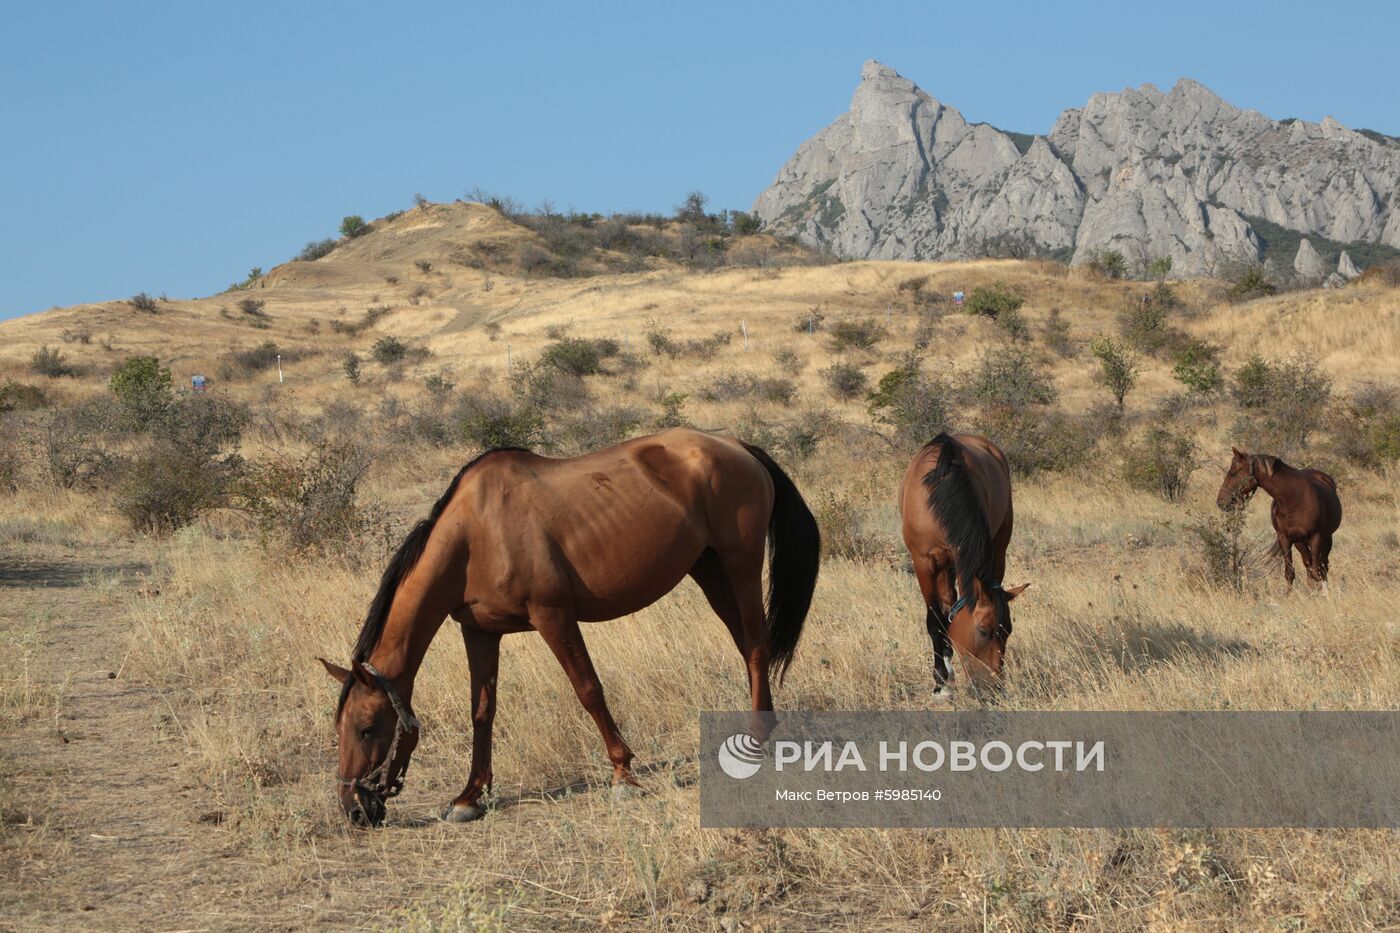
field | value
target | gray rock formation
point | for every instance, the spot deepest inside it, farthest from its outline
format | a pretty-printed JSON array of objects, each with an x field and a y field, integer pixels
[
  {"x": 1307, "y": 264},
  {"x": 902, "y": 175},
  {"x": 1346, "y": 268}
]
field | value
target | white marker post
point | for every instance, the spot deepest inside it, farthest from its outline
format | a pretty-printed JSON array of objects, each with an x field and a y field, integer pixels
[
  {"x": 744, "y": 326},
  {"x": 279, "y": 369}
]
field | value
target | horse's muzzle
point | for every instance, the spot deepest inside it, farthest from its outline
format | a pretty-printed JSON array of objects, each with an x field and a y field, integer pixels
[{"x": 365, "y": 810}]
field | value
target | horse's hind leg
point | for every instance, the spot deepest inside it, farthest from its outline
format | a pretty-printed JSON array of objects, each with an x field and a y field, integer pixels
[
  {"x": 1322, "y": 552},
  {"x": 560, "y": 631},
  {"x": 1305, "y": 550},
  {"x": 483, "y": 659},
  {"x": 747, "y": 626}
]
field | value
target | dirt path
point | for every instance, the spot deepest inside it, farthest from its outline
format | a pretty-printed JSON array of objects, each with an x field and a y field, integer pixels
[{"x": 100, "y": 831}]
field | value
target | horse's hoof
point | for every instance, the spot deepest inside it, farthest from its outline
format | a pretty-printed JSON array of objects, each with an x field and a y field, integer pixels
[
  {"x": 463, "y": 813},
  {"x": 943, "y": 696},
  {"x": 621, "y": 792}
]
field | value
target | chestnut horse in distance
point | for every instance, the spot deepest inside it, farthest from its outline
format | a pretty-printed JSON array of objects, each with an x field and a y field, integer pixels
[
  {"x": 955, "y": 505},
  {"x": 1306, "y": 511},
  {"x": 521, "y": 542}
]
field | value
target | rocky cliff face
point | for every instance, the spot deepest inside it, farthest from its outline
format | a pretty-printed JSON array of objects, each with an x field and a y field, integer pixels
[{"x": 1180, "y": 174}]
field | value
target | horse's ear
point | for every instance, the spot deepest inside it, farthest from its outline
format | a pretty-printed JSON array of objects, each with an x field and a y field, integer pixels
[
  {"x": 1239, "y": 454},
  {"x": 979, "y": 589},
  {"x": 337, "y": 672},
  {"x": 1015, "y": 591}
]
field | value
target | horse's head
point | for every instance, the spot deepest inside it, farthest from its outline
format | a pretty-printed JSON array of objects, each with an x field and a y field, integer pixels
[
  {"x": 979, "y": 625},
  {"x": 1240, "y": 480},
  {"x": 377, "y": 733}
]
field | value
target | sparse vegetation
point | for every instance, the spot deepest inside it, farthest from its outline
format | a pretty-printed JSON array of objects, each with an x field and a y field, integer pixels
[
  {"x": 143, "y": 302},
  {"x": 50, "y": 362},
  {"x": 1108, "y": 263}
]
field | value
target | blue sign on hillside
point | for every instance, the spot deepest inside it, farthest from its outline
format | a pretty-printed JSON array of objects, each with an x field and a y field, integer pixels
[{"x": 957, "y": 299}]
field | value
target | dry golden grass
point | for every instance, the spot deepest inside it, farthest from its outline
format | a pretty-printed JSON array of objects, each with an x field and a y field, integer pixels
[{"x": 1119, "y": 616}]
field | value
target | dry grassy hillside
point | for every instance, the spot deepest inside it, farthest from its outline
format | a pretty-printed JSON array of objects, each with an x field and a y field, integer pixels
[{"x": 1133, "y": 605}]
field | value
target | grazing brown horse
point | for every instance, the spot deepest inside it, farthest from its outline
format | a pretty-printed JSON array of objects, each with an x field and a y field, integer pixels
[
  {"x": 955, "y": 502},
  {"x": 520, "y": 542},
  {"x": 1306, "y": 511}
]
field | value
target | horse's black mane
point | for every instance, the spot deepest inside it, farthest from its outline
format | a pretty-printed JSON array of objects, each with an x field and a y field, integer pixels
[
  {"x": 958, "y": 508},
  {"x": 404, "y": 560}
]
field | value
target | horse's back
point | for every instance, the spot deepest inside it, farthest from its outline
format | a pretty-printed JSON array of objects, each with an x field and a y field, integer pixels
[
  {"x": 991, "y": 478},
  {"x": 618, "y": 527}
]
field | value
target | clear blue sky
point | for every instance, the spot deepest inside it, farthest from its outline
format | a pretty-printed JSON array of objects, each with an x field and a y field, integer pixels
[{"x": 169, "y": 147}]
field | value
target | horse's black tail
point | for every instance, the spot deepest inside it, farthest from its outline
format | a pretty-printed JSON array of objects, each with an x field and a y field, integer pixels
[{"x": 795, "y": 551}]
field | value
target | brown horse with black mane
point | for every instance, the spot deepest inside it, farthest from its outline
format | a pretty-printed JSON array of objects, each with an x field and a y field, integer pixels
[
  {"x": 520, "y": 542},
  {"x": 955, "y": 502},
  {"x": 1306, "y": 512}
]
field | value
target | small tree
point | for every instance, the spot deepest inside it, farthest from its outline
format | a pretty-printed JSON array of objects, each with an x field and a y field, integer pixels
[
  {"x": 353, "y": 226},
  {"x": 143, "y": 302},
  {"x": 143, "y": 389},
  {"x": 845, "y": 380},
  {"x": 1160, "y": 268},
  {"x": 1118, "y": 367},
  {"x": 992, "y": 300},
  {"x": 692, "y": 209},
  {"x": 1196, "y": 368}
]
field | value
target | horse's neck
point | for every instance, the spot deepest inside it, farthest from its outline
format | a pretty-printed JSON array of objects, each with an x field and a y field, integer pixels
[
  {"x": 1278, "y": 485},
  {"x": 414, "y": 618}
]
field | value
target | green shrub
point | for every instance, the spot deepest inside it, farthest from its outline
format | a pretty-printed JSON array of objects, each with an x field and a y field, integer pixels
[
  {"x": 1108, "y": 263},
  {"x": 353, "y": 226},
  {"x": 50, "y": 362},
  {"x": 351, "y": 365},
  {"x": 143, "y": 390},
  {"x": 845, "y": 380},
  {"x": 746, "y": 224},
  {"x": 1198, "y": 369},
  {"x": 489, "y": 422},
  {"x": 992, "y": 300},
  {"x": 860, "y": 334},
  {"x": 1013, "y": 325},
  {"x": 1118, "y": 368},
  {"x": 580, "y": 356},
  {"x": 1253, "y": 282},
  {"x": 316, "y": 249},
  {"x": 387, "y": 350},
  {"x": 1010, "y": 378},
  {"x": 672, "y": 411},
  {"x": 1285, "y": 402},
  {"x": 914, "y": 405},
  {"x": 1161, "y": 463},
  {"x": 1160, "y": 268}
]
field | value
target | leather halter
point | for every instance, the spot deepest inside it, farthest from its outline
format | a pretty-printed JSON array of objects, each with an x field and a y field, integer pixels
[
  {"x": 377, "y": 781},
  {"x": 964, "y": 600}
]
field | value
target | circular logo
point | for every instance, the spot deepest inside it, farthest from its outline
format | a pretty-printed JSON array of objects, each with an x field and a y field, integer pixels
[{"x": 740, "y": 756}]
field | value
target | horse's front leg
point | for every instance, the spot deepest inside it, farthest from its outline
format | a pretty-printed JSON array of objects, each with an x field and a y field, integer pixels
[
  {"x": 1285, "y": 547},
  {"x": 560, "y": 631},
  {"x": 935, "y": 621},
  {"x": 483, "y": 659}
]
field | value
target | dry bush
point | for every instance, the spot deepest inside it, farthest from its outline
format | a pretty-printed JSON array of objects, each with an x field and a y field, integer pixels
[
  {"x": 855, "y": 334},
  {"x": 313, "y": 505}
]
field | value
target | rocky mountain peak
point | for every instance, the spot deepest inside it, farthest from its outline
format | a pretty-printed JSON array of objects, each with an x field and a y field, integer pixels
[{"x": 1182, "y": 174}]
